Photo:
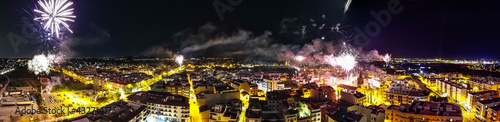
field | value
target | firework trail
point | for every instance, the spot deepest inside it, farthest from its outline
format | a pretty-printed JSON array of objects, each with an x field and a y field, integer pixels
[
  {"x": 347, "y": 4},
  {"x": 54, "y": 15}
]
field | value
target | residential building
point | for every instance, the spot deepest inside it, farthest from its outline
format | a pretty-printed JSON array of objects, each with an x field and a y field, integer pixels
[
  {"x": 229, "y": 112},
  {"x": 493, "y": 114},
  {"x": 482, "y": 106},
  {"x": 352, "y": 97},
  {"x": 473, "y": 98},
  {"x": 245, "y": 85},
  {"x": 398, "y": 97},
  {"x": 121, "y": 111},
  {"x": 321, "y": 93},
  {"x": 176, "y": 87},
  {"x": 344, "y": 115},
  {"x": 163, "y": 105},
  {"x": 273, "y": 85},
  {"x": 276, "y": 100},
  {"x": 424, "y": 111},
  {"x": 373, "y": 113},
  {"x": 455, "y": 91},
  {"x": 211, "y": 93},
  {"x": 484, "y": 83}
]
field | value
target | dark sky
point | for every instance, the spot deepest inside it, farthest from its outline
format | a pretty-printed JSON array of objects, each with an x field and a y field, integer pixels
[{"x": 424, "y": 28}]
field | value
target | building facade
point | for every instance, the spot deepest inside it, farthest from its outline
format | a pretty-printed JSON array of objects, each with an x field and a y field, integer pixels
[
  {"x": 424, "y": 111},
  {"x": 163, "y": 105}
]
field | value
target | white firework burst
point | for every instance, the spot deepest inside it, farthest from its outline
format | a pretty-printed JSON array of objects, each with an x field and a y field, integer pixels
[
  {"x": 387, "y": 58},
  {"x": 54, "y": 14},
  {"x": 346, "y": 61},
  {"x": 299, "y": 58},
  {"x": 179, "y": 59},
  {"x": 40, "y": 64}
]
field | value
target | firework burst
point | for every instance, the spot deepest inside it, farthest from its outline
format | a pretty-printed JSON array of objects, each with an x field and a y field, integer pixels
[
  {"x": 179, "y": 59},
  {"x": 300, "y": 58},
  {"x": 346, "y": 61},
  {"x": 40, "y": 64},
  {"x": 55, "y": 15},
  {"x": 33, "y": 30},
  {"x": 387, "y": 58}
]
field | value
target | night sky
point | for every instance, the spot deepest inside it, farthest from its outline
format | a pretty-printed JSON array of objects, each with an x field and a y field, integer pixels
[{"x": 423, "y": 29}]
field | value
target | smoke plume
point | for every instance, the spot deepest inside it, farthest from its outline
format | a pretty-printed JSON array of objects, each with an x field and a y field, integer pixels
[{"x": 95, "y": 35}]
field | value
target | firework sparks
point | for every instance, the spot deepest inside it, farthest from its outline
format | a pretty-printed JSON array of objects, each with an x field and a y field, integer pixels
[
  {"x": 346, "y": 61},
  {"x": 179, "y": 59},
  {"x": 55, "y": 13},
  {"x": 300, "y": 58},
  {"x": 41, "y": 63},
  {"x": 387, "y": 58}
]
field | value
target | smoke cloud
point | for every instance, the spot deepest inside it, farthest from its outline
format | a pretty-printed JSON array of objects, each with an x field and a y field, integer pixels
[
  {"x": 95, "y": 35},
  {"x": 212, "y": 41},
  {"x": 159, "y": 51},
  {"x": 373, "y": 54}
]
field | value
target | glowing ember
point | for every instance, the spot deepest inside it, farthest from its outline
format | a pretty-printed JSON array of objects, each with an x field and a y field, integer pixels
[{"x": 179, "y": 59}]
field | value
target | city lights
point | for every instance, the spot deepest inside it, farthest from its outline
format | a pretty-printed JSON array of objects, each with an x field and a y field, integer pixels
[{"x": 307, "y": 61}]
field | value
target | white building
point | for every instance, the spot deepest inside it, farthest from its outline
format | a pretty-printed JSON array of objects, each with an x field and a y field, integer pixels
[{"x": 163, "y": 105}]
